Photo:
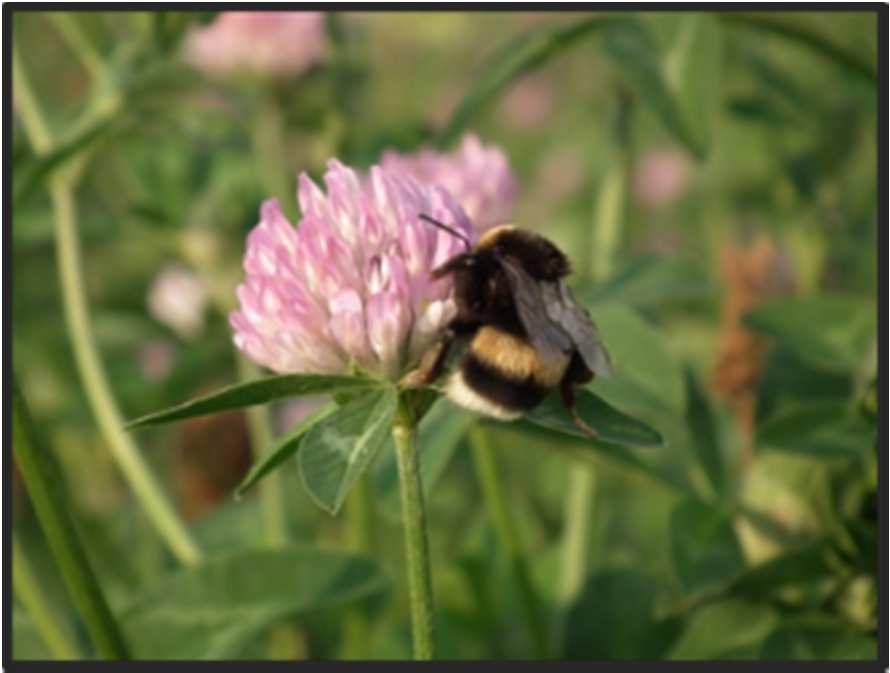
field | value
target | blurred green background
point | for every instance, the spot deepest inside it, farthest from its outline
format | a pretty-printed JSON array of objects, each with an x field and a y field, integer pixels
[{"x": 712, "y": 177}]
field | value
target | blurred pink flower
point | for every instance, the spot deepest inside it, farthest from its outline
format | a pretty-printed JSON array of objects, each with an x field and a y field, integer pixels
[
  {"x": 351, "y": 282},
  {"x": 275, "y": 44},
  {"x": 661, "y": 178},
  {"x": 177, "y": 298},
  {"x": 443, "y": 103},
  {"x": 561, "y": 172},
  {"x": 156, "y": 359},
  {"x": 529, "y": 104},
  {"x": 478, "y": 177}
]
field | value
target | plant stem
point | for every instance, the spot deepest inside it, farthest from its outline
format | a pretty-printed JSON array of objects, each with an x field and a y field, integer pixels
[
  {"x": 271, "y": 491},
  {"x": 360, "y": 516},
  {"x": 417, "y": 559},
  {"x": 499, "y": 513},
  {"x": 608, "y": 217},
  {"x": 360, "y": 533},
  {"x": 145, "y": 487},
  {"x": 28, "y": 591},
  {"x": 793, "y": 31},
  {"x": 28, "y": 108},
  {"x": 71, "y": 31},
  {"x": 144, "y": 484},
  {"x": 45, "y": 485},
  {"x": 268, "y": 140},
  {"x": 578, "y": 511}
]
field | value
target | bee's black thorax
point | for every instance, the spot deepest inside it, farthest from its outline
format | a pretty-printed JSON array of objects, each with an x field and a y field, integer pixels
[
  {"x": 483, "y": 296},
  {"x": 537, "y": 256},
  {"x": 512, "y": 363}
]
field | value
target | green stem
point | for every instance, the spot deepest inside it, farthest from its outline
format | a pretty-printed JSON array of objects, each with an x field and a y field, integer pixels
[
  {"x": 125, "y": 452},
  {"x": 144, "y": 484},
  {"x": 360, "y": 516},
  {"x": 607, "y": 221},
  {"x": 360, "y": 533},
  {"x": 792, "y": 30},
  {"x": 71, "y": 31},
  {"x": 608, "y": 218},
  {"x": 268, "y": 139},
  {"x": 417, "y": 558},
  {"x": 28, "y": 591},
  {"x": 29, "y": 110},
  {"x": 271, "y": 488},
  {"x": 578, "y": 512},
  {"x": 45, "y": 485},
  {"x": 499, "y": 513}
]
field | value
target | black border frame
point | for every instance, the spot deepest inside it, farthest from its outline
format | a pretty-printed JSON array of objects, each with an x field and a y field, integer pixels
[{"x": 879, "y": 8}]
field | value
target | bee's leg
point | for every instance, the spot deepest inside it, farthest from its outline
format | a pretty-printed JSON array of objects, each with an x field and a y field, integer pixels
[
  {"x": 431, "y": 363},
  {"x": 576, "y": 373}
]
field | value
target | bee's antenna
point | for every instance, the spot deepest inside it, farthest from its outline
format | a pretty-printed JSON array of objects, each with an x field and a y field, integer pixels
[{"x": 445, "y": 227}]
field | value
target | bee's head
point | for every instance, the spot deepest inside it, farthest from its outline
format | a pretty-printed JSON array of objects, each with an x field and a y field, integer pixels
[
  {"x": 463, "y": 261},
  {"x": 539, "y": 257}
]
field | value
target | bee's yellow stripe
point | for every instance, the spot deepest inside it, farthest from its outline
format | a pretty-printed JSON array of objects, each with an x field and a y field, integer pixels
[{"x": 515, "y": 358}]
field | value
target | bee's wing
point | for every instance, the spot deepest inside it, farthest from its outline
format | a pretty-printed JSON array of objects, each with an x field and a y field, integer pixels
[
  {"x": 547, "y": 336},
  {"x": 563, "y": 309}
]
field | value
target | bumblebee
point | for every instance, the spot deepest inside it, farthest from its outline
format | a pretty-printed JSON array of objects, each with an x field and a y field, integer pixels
[{"x": 526, "y": 333}]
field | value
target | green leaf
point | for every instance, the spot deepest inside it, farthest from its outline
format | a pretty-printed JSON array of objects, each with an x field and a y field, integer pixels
[
  {"x": 647, "y": 375},
  {"x": 649, "y": 282},
  {"x": 612, "y": 425},
  {"x": 168, "y": 28},
  {"x": 703, "y": 435},
  {"x": 704, "y": 547},
  {"x": 583, "y": 450},
  {"x": 440, "y": 433},
  {"x": 27, "y": 642},
  {"x": 284, "y": 448},
  {"x": 829, "y": 331},
  {"x": 792, "y": 28},
  {"x": 805, "y": 566},
  {"x": 759, "y": 109},
  {"x": 257, "y": 392},
  {"x": 695, "y": 73},
  {"x": 516, "y": 57},
  {"x": 719, "y": 630},
  {"x": 819, "y": 637},
  {"x": 231, "y": 525},
  {"x": 635, "y": 55},
  {"x": 213, "y": 610},
  {"x": 613, "y": 619},
  {"x": 35, "y": 172},
  {"x": 790, "y": 382},
  {"x": 48, "y": 493},
  {"x": 825, "y": 430},
  {"x": 337, "y": 449}
]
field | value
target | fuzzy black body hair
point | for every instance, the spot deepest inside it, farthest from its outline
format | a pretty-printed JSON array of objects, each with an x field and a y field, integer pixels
[
  {"x": 504, "y": 376},
  {"x": 482, "y": 291}
]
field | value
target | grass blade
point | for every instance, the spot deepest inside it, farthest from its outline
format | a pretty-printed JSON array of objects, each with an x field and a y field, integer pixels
[
  {"x": 45, "y": 484},
  {"x": 793, "y": 31},
  {"x": 256, "y": 392},
  {"x": 518, "y": 56},
  {"x": 47, "y": 620}
]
